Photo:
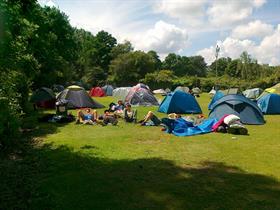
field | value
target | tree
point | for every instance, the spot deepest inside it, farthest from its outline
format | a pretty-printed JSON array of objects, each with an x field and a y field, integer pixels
[
  {"x": 121, "y": 49},
  {"x": 231, "y": 69},
  {"x": 221, "y": 65},
  {"x": 197, "y": 66},
  {"x": 85, "y": 42},
  {"x": 155, "y": 56},
  {"x": 128, "y": 69},
  {"x": 173, "y": 62},
  {"x": 103, "y": 45},
  {"x": 94, "y": 76},
  {"x": 159, "y": 79},
  {"x": 54, "y": 46}
]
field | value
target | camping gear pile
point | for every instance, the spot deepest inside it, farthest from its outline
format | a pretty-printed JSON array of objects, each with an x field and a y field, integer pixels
[{"x": 230, "y": 124}]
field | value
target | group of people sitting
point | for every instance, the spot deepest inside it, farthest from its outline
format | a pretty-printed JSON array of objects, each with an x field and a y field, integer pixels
[
  {"x": 110, "y": 116},
  {"x": 227, "y": 124}
]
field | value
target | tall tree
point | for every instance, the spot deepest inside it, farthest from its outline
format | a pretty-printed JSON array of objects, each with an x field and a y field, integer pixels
[
  {"x": 103, "y": 45},
  {"x": 129, "y": 68},
  {"x": 54, "y": 46},
  {"x": 197, "y": 66},
  {"x": 155, "y": 56},
  {"x": 121, "y": 49},
  {"x": 221, "y": 65},
  {"x": 173, "y": 62}
]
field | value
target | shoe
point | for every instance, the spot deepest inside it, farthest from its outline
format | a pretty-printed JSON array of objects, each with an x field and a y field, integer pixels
[{"x": 243, "y": 131}]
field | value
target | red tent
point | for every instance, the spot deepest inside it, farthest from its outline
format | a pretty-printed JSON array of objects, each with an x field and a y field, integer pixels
[{"x": 97, "y": 92}]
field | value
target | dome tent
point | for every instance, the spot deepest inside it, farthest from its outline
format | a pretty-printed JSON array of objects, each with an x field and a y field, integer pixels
[
  {"x": 141, "y": 85},
  {"x": 252, "y": 93},
  {"x": 58, "y": 88},
  {"x": 96, "y": 92},
  {"x": 77, "y": 97},
  {"x": 108, "y": 89},
  {"x": 159, "y": 91},
  {"x": 215, "y": 98},
  {"x": 274, "y": 89},
  {"x": 239, "y": 105},
  {"x": 212, "y": 92},
  {"x": 270, "y": 103},
  {"x": 196, "y": 90},
  {"x": 43, "y": 98},
  {"x": 179, "y": 102},
  {"x": 121, "y": 92},
  {"x": 138, "y": 95},
  {"x": 184, "y": 89}
]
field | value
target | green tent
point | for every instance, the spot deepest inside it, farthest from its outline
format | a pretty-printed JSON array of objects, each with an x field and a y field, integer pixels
[{"x": 44, "y": 98}]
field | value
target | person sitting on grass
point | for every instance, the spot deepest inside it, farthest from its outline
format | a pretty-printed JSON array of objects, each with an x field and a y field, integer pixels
[
  {"x": 116, "y": 107},
  {"x": 108, "y": 118},
  {"x": 129, "y": 114},
  {"x": 87, "y": 117}
]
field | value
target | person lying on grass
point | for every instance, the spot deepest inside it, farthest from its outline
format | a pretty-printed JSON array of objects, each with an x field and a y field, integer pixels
[
  {"x": 129, "y": 114},
  {"x": 87, "y": 116},
  {"x": 152, "y": 120}
]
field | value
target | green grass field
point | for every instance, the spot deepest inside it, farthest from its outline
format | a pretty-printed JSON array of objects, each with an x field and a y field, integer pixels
[{"x": 132, "y": 167}]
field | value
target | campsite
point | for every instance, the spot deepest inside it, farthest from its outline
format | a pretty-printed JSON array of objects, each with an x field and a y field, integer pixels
[
  {"x": 160, "y": 104},
  {"x": 134, "y": 167}
]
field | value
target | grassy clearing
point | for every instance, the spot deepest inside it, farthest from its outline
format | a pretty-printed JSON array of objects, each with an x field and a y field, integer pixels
[{"x": 134, "y": 167}]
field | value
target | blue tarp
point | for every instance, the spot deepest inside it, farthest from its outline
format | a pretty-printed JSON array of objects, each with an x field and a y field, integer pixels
[
  {"x": 181, "y": 127},
  {"x": 215, "y": 98},
  {"x": 270, "y": 104},
  {"x": 179, "y": 102}
]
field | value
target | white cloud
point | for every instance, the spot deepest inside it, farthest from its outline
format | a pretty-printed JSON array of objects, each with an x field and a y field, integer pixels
[
  {"x": 252, "y": 29},
  {"x": 163, "y": 38},
  {"x": 226, "y": 13},
  {"x": 48, "y": 3},
  {"x": 189, "y": 12},
  {"x": 267, "y": 51}
]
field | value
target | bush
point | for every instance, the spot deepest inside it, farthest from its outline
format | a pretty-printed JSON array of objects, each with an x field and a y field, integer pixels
[{"x": 9, "y": 124}]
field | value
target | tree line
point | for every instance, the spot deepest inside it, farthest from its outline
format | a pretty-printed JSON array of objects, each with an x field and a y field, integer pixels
[{"x": 39, "y": 47}]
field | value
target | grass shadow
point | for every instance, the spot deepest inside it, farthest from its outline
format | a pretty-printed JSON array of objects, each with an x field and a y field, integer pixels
[{"x": 59, "y": 178}]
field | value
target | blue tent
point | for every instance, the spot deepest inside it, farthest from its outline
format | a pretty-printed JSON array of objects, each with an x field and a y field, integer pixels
[
  {"x": 215, "y": 98},
  {"x": 108, "y": 89},
  {"x": 179, "y": 102},
  {"x": 270, "y": 103},
  {"x": 239, "y": 105}
]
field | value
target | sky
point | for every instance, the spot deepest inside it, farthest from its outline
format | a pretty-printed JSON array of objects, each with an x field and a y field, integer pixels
[{"x": 185, "y": 27}]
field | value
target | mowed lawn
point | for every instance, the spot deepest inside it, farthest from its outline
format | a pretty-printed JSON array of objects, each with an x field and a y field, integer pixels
[{"x": 133, "y": 167}]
